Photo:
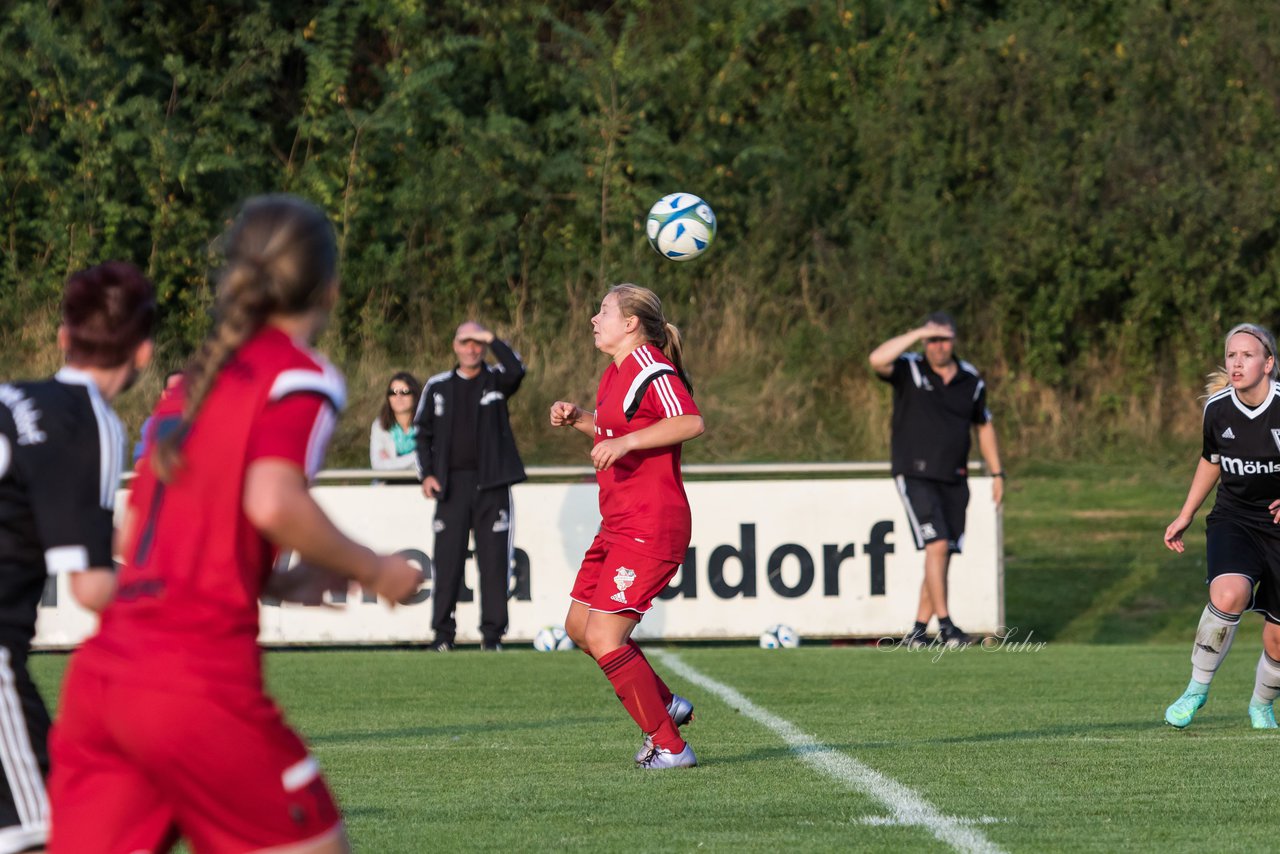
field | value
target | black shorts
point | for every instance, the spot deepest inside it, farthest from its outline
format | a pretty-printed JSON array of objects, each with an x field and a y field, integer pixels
[
  {"x": 1233, "y": 548},
  {"x": 935, "y": 509},
  {"x": 24, "y": 722}
]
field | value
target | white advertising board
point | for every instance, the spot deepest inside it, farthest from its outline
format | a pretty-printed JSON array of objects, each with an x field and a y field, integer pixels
[{"x": 830, "y": 558}]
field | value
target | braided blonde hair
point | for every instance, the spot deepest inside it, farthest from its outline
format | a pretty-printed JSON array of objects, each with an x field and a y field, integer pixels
[{"x": 281, "y": 258}]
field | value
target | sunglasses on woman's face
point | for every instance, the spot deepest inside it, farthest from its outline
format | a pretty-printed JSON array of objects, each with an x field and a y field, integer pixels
[{"x": 398, "y": 392}]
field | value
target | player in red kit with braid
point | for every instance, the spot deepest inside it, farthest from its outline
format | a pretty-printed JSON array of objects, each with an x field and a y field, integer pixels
[
  {"x": 644, "y": 412},
  {"x": 165, "y": 730}
]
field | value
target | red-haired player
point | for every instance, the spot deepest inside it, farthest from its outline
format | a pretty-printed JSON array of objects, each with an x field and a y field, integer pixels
[
  {"x": 61, "y": 450},
  {"x": 165, "y": 729},
  {"x": 644, "y": 411}
]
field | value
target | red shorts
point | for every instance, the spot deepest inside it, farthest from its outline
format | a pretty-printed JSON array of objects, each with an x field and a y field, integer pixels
[
  {"x": 134, "y": 767},
  {"x": 614, "y": 578}
]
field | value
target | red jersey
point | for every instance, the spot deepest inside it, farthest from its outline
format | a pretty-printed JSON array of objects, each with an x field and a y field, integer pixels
[
  {"x": 642, "y": 500},
  {"x": 186, "y": 609}
]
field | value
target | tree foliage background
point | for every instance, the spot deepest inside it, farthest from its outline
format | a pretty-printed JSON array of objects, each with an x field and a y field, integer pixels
[{"x": 1090, "y": 187}]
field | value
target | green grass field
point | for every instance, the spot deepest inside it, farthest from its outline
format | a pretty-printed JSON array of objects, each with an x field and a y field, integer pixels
[
  {"x": 1056, "y": 749},
  {"x": 825, "y": 748}
]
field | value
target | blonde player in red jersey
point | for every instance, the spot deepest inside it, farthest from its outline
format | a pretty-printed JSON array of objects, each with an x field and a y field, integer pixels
[
  {"x": 165, "y": 730},
  {"x": 644, "y": 411}
]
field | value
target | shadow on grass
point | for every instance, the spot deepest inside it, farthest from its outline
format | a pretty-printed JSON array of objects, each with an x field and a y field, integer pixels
[
  {"x": 1155, "y": 727},
  {"x": 447, "y": 730}
]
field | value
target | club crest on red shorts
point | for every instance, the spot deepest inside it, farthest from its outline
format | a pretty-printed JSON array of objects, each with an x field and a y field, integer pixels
[{"x": 624, "y": 578}]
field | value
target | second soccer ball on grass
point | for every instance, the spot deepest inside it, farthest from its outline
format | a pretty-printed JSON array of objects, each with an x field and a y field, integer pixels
[
  {"x": 552, "y": 639},
  {"x": 779, "y": 637}
]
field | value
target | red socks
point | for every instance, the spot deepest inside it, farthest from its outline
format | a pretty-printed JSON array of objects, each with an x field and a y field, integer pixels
[
  {"x": 663, "y": 691},
  {"x": 641, "y": 693}
]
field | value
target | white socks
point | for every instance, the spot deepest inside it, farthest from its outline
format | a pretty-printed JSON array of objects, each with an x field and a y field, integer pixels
[{"x": 1214, "y": 635}]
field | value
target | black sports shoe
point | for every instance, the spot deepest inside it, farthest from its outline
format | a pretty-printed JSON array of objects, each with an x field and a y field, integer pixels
[
  {"x": 952, "y": 636},
  {"x": 915, "y": 639},
  {"x": 491, "y": 646},
  {"x": 442, "y": 646}
]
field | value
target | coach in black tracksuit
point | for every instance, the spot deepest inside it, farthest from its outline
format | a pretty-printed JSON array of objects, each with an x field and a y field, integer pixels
[{"x": 467, "y": 460}]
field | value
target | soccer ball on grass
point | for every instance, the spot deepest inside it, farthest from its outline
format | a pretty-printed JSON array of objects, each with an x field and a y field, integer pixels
[
  {"x": 552, "y": 639},
  {"x": 779, "y": 637}
]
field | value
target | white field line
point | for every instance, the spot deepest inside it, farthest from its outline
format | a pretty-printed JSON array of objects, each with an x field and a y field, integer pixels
[{"x": 905, "y": 806}]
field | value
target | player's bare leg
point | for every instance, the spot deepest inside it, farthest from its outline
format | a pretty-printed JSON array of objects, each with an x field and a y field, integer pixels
[
  {"x": 933, "y": 590},
  {"x": 575, "y": 625},
  {"x": 933, "y": 594}
]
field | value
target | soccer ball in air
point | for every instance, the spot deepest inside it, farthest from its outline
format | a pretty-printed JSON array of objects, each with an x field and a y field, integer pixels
[
  {"x": 681, "y": 226},
  {"x": 551, "y": 639},
  {"x": 779, "y": 637}
]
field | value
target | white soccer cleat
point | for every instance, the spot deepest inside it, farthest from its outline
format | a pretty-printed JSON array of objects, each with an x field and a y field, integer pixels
[
  {"x": 681, "y": 711},
  {"x": 659, "y": 759}
]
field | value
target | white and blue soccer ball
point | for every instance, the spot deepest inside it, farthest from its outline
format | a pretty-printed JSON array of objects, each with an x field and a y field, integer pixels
[
  {"x": 552, "y": 639},
  {"x": 681, "y": 226},
  {"x": 779, "y": 637}
]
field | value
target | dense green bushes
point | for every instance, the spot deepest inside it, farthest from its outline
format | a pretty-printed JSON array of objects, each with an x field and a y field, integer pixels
[{"x": 1091, "y": 188}]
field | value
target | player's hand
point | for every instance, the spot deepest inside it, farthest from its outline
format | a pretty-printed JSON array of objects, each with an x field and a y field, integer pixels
[
  {"x": 564, "y": 414},
  {"x": 997, "y": 490},
  {"x": 304, "y": 584},
  {"x": 1173, "y": 534},
  {"x": 1274, "y": 509},
  {"x": 431, "y": 487},
  {"x": 608, "y": 452},
  {"x": 397, "y": 579}
]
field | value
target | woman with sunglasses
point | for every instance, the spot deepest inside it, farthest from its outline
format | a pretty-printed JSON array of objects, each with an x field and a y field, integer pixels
[
  {"x": 392, "y": 438},
  {"x": 1241, "y": 456}
]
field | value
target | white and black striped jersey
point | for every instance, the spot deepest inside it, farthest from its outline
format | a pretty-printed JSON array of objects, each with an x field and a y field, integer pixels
[
  {"x": 1245, "y": 442},
  {"x": 933, "y": 420},
  {"x": 61, "y": 449}
]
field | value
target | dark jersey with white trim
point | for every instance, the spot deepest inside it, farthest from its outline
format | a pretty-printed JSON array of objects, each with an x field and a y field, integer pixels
[
  {"x": 932, "y": 420},
  {"x": 1245, "y": 442},
  {"x": 61, "y": 449}
]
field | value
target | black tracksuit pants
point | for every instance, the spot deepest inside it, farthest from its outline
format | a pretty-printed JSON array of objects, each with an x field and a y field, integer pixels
[{"x": 488, "y": 513}]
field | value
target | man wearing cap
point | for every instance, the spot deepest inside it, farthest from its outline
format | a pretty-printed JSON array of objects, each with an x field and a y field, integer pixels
[
  {"x": 937, "y": 399},
  {"x": 467, "y": 461}
]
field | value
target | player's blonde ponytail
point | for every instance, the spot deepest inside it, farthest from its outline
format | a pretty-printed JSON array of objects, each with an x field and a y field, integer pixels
[
  {"x": 642, "y": 303},
  {"x": 281, "y": 257},
  {"x": 1221, "y": 378}
]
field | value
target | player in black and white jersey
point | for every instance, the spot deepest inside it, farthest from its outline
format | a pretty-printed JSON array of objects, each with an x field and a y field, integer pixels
[
  {"x": 61, "y": 450},
  {"x": 1241, "y": 455},
  {"x": 937, "y": 401}
]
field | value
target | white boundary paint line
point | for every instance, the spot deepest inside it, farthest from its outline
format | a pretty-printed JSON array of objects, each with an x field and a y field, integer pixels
[{"x": 906, "y": 807}]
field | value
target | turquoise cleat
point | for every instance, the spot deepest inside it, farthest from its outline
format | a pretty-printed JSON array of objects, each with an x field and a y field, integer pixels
[
  {"x": 1262, "y": 717},
  {"x": 1184, "y": 709}
]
